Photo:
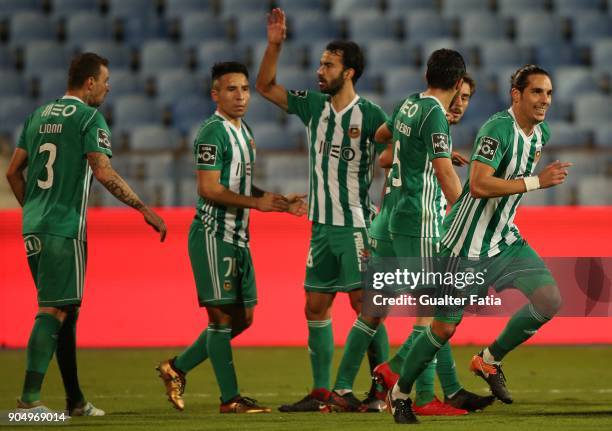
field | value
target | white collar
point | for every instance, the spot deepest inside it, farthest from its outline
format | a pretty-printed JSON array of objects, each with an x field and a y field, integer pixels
[
  {"x": 518, "y": 126},
  {"x": 236, "y": 129},
  {"x": 428, "y": 96},
  {"x": 72, "y": 98},
  {"x": 346, "y": 108}
]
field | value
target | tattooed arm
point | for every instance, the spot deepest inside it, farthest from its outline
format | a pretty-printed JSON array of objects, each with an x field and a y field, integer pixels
[{"x": 106, "y": 174}]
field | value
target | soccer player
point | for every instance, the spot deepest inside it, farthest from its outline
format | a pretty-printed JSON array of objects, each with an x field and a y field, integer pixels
[
  {"x": 63, "y": 142},
  {"x": 480, "y": 227},
  {"x": 340, "y": 128},
  {"x": 457, "y": 399},
  {"x": 224, "y": 153}
]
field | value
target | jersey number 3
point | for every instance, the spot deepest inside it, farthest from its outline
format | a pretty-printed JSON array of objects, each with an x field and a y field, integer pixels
[{"x": 52, "y": 149}]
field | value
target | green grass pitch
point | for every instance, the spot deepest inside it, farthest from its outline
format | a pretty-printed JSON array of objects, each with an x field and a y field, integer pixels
[{"x": 555, "y": 388}]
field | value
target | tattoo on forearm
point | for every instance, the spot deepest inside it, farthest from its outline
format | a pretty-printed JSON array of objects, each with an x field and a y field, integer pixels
[{"x": 122, "y": 191}]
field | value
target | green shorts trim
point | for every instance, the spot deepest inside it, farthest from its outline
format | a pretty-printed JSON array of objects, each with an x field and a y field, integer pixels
[
  {"x": 223, "y": 272},
  {"x": 58, "y": 268},
  {"x": 335, "y": 258}
]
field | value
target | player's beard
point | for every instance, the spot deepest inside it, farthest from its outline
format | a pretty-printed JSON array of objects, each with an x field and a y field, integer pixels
[{"x": 333, "y": 87}]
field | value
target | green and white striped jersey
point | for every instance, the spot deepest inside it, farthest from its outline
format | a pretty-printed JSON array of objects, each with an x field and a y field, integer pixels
[
  {"x": 221, "y": 146},
  {"x": 341, "y": 153},
  {"x": 420, "y": 135},
  {"x": 485, "y": 227},
  {"x": 57, "y": 137}
]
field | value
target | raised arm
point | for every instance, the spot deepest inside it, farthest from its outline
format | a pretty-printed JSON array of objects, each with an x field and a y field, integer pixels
[
  {"x": 14, "y": 174},
  {"x": 106, "y": 174},
  {"x": 210, "y": 188},
  {"x": 266, "y": 78},
  {"x": 484, "y": 185}
]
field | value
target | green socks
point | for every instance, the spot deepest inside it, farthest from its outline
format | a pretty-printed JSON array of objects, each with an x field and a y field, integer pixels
[
  {"x": 218, "y": 344},
  {"x": 397, "y": 361},
  {"x": 41, "y": 345},
  {"x": 357, "y": 342},
  {"x": 66, "y": 359},
  {"x": 378, "y": 350},
  {"x": 447, "y": 373},
  {"x": 522, "y": 326},
  {"x": 420, "y": 356},
  {"x": 321, "y": 348},
  {"x": 192, "y": 355}
]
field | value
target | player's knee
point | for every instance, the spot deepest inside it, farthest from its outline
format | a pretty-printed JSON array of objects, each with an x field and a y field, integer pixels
[
  {"x": 372, "y": 321},
  {"x": 547, "y": 301},
  {"x": 443, "y": 330},
  {"x": 58, "y": 313}
]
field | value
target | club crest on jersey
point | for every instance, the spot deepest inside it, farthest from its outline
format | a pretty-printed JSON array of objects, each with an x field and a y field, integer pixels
[
  {"x": 440, "y": 143},
  {"x": 227, "y": 285},
  {"x": 298, "y": 93},
  {"x": 537, "y": 156},
  {"x": 207, "y": 154},
  {"x": 354, "y": 131},
  {"x": 348, "y": 154},
  {"x": 252, "y": 143},
  {"x": 488, "y": 147},
  {"x": 32, "y": 245},
  {"x": 103, "y": 139}
]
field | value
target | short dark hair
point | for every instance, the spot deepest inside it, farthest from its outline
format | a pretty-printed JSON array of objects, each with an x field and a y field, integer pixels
[
  {"x": 471, "y": 82},
  {"x": 520, "y": 78},
  {"x": 352, "y": 56},
  {"x": 444, "y": 68},
  {"x": 220, "y": 69},
  {"x": 84, "y": 66}
]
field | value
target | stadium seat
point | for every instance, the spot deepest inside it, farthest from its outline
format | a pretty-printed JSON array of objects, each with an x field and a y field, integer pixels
[
  {"x": 191, "y": 111},
  {"x": 593, "y": 109},
  {"x": 419, "y": 26},
  {"x": 572, "y": 81},
  {"x": 131, "y": 8},
  {"x": 481, "y": 108},
  {"x": 566, "y": 134},
  {"x": 401, "y": 82},
  {"x": 346, "y": 8},
  {"x": 11, "y": 84},
  {"x": 591, "y": 27},
  {"x": 367, "y": 27},
  {"x": 138, "y": 30},
  {"x": 154, "y": 138},
  {"x": 269, "y": 136},
  {"x": 570, "y": 8},
  {"x": 65, "y": 8},
  {"x": 176, "y": 84},
  {"x": 463, "y": 136},
  {"x": 295, "y": 78},
  {"x": 560, "y": 110},
  {"x": 12, "y": 7},
  {"x": 41, "y": 56},
  {"x": 210, "y": 53},
  {"x": 292, "y": 7},
  {"x": 124, "y": 82},
  {"x": 499, "y": 54},
  {"x": 468, "y": 51},
  {"x": 595, "y": 191},
  {"x": 294, "y": 54},
  {"x": 515, "y": 8},
  {"x": 87, "y": 26},
  {"x": 52, "y": 85},
  {"x": 188, "y": 191},
  {"x": 6, "y": 57},
  {"x": 241, "y": 8},
  {"x": 405, "y": 7},
  {"x": 602, "y": 54},
  {"x": 384, "y": 54},
  {"x": 262, "y": 111},
  {"x": 119, "y": 56},
  {"x": 313, "y": 26},
  {"x": 31, "y": 26},
  {"x": 133, "y": 110},
  {"x": 552, "y": 56},
  {"x": 537, "y": 28},
  {"x": 199, "y": 26},
  {"x": 13, "y": 112},
  {"x": 252, "y": 28},
  {"x": 455, "y": 8},
  {"x": 480, "y": 27},
  {"x": 184, "y": 8},
  {"x": 158, "y": 55},
  {"x": 603, "y": 136}
]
